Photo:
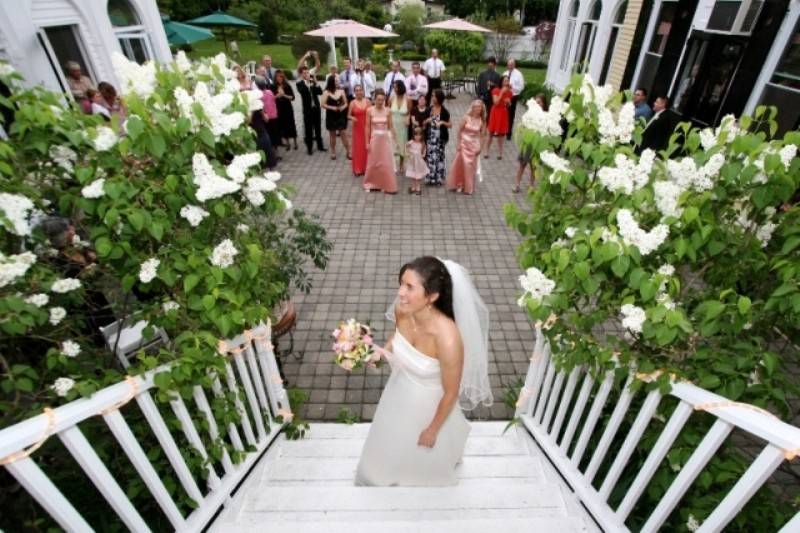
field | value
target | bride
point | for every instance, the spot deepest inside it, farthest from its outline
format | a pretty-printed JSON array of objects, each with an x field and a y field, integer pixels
[{"x": 438, "y": 356}]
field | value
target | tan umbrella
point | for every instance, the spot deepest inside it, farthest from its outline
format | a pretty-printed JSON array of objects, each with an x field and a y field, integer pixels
[
  {"x": 351, "y": 30},
  {"x": 457, "y": 24}
]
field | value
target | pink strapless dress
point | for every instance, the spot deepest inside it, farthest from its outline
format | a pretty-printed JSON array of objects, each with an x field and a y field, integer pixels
[
  {"x": 465, "y": 167},
  {"x": 380, "y": 172}
]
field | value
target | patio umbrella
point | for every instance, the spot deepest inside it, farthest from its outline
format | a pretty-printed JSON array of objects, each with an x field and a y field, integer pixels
[
  {"x": 179, "y": 33},
  {"x": 457, "y": 24},
  {"x": 351, "y": 30},
  {"x": 220, "y": 19}
]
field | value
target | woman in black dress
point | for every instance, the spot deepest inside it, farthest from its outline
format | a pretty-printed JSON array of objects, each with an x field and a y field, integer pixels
[
  {"x": 284, "y": 96},
  {"x": 334, "y": 102}
]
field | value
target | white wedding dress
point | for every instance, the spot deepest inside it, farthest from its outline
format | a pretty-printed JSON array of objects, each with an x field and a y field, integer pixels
[{"x": 391, "y": 455}]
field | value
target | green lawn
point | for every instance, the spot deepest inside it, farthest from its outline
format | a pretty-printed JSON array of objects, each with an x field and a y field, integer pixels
[{"x": 282, "y": 57}]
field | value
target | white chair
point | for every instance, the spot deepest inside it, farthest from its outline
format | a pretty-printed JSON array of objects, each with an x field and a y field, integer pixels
[{"x": 125, "y": 338}]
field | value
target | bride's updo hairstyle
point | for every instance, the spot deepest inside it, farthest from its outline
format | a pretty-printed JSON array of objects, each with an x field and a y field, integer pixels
[{"x": 435, "y": 278}]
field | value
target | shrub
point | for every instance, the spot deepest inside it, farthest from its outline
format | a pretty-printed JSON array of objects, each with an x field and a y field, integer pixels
[
  {"x": 304, "y": 43},
  {"x": 267, "y": 27},
  {"x": 456, "y": 47},
  {"x": 692, "y": 253}
]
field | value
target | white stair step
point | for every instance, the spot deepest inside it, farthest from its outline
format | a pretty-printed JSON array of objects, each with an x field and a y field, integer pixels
[
  {"x": 327, "y": 430},
  {"x": 351, "y": 447},
  {"x": 325, "y": 469},
  {"x": 504, "y": 525},
  {"x": 319, "y": 498}
]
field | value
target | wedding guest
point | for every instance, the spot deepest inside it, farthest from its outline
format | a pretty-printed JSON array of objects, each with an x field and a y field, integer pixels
[
  {"x": 358, "y": 116},
  {"x": 416, "y": 83},
  {"x": 284, "y": 96},
  {"x": 358, "y": 77},
  {"x": 334, "y": 101},
  {"x": 659, "y": 129},
  {"x": 400, "y": 106},
  {"x": 391, "y": 77},
  {"x": 270, "y": 72},
  {"x": 517, "y": 81},
  {"x": 380, "y": 173},
  {"x": 261, "y": 74},
  {"x": 419, "y": 113},
  {"x": 471, "y": 133},
  {"x": 309, "y": 92},
  {"x": 499, "y": 117},
  {"x": 416, "y": 169},
  {"x": 641, "y": 109},
  {"x": 433, "y": 68},
  {"x": 526, "y": 154},
  {"x": 437, "y": 124},
  {"x": 313, "y": 71},
  {"x": 98, "y": 104},
  {"x": 258, "y": 121},
  {"x": 488, "y": 80},
  {"x": 346, "y": 77},
  {"x": 78, "y": 84},
  {"x": 369, "y": 80},
  {"x": 270, "y": 113},
  {"x": 245, "y": 84},
  {"x": 332, "y": 72}
]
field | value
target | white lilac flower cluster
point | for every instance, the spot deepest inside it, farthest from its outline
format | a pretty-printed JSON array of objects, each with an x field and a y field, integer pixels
[
  {"x": 214, "y": 109},
  {"x": 57, "y": 314},
  {"x": 632, "y": 317},
  {"x": 94, "y": 189},
  {"x": 667, "y": 196},
  {"x": 256, "y": 187},
  {"x": 210, "y": 185},
  {"x": 170, "y": 306},
  {"x": 627, "y": 175},
  {"x": 692, "y": 524},
  {"x": 14, "y": 266},
  {"x": 148, "y": 270},
  {"x": 39, "y": 300},
  {"x": 616, "y": 131},
  {"x": 238, "y": 167},
  {"x": 62, "y": 386},
  {"x": 16, "y": 209},
  {"x": 242, "y": 228},
  {"x": 786, "y": 153},
  {"x": 762, "y": 232},
  {"x": 223, "y": 254},
  {"x": 104, "y": 139},
  {"x": 558, "y": 164},
  {"x": 724, "y": 134},
  {"x": 6, "y": 69},
  {"x": 182, "y": 62},
  {"x": 133, "y": 77},
  {"x": 687, "y": 175},
  {"x": 544, "y": 122},
  {"x": 65, "y": 285},
  {"x": 662, "y": 297},
  {"x": 70, "y": 348},
  {"x": 632, "y": 235},
  {"x": 598, "y": 94},
  {"x": 287, "y": 204},
  {"x": 63, "y": 156},
  {"x": 193, "y": 214},
  {"x": 535, "y": 284}
]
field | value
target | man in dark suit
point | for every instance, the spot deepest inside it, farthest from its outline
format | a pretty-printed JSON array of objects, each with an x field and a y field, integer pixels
[
  {"x": 659, "y": 129},
  {"x": 312, "y": 119},
  {"x": 488, "y": 80}
]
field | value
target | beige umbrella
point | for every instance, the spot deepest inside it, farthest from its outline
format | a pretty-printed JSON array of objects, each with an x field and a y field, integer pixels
[
  {"x": 457, "y": 24},
  {"x": 352, "y": 30}
]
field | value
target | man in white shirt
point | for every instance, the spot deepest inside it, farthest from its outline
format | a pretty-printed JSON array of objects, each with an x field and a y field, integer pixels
[
  {"x": 517, "y": 82},
  {"x": 416, "y": 84},
  {"x": 391, "y": 77},
  {"x": 433, "y": 68},
  {"x": 346, "y": 78},
  {"x": 369, "y": 80}
]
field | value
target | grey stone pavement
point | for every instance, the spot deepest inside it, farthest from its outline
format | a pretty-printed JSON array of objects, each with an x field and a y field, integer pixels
[{"x": 373, "y": 235}]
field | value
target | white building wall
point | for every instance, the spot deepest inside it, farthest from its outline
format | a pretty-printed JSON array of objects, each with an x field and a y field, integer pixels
[{"x": 21, "y": 20}]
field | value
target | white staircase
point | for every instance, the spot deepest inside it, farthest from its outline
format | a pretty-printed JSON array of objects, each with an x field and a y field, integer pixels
[{"x": 307, "y": 485}]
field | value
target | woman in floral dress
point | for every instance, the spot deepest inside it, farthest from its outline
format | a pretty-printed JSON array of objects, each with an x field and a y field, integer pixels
[{"x": 437, "y": 125}]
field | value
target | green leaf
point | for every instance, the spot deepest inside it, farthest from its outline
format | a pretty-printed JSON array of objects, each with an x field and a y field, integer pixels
[
  {"x": 770, "y": 361},
  {"x": 709, "y": 382},
  {"x": 744, "y": 304},
  {"x": 134, "y": 127},
  {"x": 690, "y": 213},
  {"x": 581, "y": 270},
  {"x": 136, "y": 218},
  {"x": 713, "y": 309},
  {"x": 619, "y": 266},
  {"x": 156, "y": 145},
  {"x": 209, "y": 301},
  {"x": 102, "y": 246},
  {"x": 190, "y": 282}
]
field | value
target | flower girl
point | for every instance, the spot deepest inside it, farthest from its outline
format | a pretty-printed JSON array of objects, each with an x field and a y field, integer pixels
[{"x": 416, "y": 168}]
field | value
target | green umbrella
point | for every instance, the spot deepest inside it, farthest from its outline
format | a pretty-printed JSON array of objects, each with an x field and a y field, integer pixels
[
  {"x": 220, "y": 19},
  {"x": 179, "y": 33}
]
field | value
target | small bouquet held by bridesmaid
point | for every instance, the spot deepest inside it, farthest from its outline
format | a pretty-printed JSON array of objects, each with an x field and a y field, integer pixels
[{"x": 354, "y": 347}]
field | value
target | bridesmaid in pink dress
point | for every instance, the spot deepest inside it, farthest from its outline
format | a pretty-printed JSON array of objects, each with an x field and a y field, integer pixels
[
  {"x": 471, "y": 133},
  {"x": 358, "y": 116},
  {"x": 380, "y": 175}
]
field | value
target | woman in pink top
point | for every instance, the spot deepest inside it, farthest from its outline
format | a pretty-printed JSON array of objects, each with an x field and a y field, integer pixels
[{"x": 271, "y": 113}]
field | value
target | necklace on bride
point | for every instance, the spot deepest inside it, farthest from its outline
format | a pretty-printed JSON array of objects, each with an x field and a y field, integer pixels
[{"x": 414, "y": 320}]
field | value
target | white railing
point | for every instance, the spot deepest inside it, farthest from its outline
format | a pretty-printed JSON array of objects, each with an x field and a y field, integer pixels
[
  {"x": 265, "y": 398},
  {"x": 548, "y": 401}
]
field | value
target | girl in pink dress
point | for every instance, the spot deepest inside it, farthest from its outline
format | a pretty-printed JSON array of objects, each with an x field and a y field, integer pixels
[
  {"x": 416, "y": 168},
  {"x": 470, "y": 138},
  {"x": 380, "y": 175}
]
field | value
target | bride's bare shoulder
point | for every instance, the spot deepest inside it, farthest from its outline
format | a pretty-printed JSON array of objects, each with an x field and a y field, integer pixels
[{"x": 448, "y": 338}]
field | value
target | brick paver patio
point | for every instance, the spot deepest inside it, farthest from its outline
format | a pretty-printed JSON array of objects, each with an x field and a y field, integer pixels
[{"x": 373, "y": 235}]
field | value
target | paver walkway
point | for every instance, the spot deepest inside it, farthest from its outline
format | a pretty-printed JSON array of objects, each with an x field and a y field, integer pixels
[{"x": 373, "y": 235}]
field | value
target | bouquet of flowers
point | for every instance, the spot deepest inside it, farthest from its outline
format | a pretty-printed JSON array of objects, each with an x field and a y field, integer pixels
[{"x": 353, "y": 347}]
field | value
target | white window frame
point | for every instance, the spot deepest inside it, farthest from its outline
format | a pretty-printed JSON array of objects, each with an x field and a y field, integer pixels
[
  {"x": 58, "y": 68},
  {"x": 572, "y": 20}
]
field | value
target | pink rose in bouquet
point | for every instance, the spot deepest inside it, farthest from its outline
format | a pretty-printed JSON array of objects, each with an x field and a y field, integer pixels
[{"x": 353, "y": 346}]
